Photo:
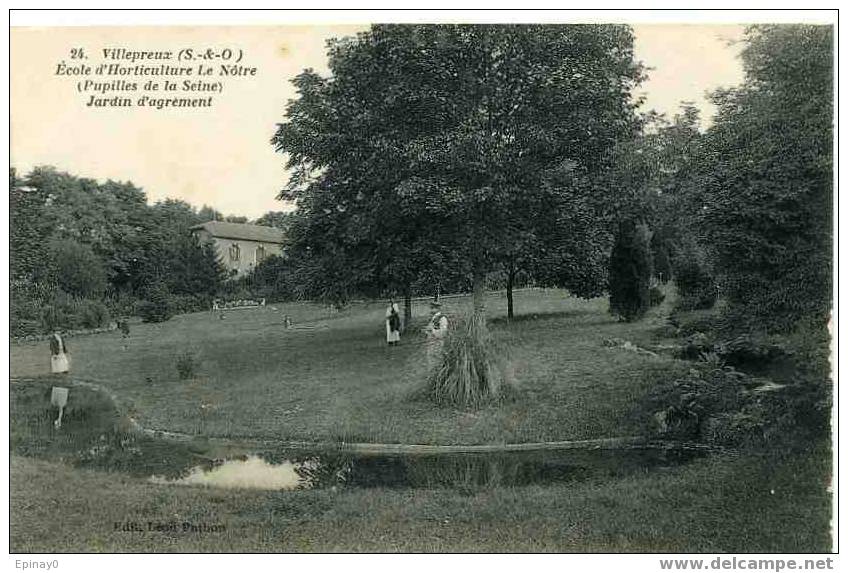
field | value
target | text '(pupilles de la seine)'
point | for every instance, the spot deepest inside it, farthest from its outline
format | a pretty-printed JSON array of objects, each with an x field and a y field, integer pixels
[{"x": 188, "y": 78}]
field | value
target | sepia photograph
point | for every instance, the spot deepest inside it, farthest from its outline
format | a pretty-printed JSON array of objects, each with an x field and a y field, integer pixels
[{"x": 423, "y": 284}]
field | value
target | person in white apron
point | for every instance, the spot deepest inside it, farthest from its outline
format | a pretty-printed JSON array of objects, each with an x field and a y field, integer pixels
[{"x": 60, "y": 360}]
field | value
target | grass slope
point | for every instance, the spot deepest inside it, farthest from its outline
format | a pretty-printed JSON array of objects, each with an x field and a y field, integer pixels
[{"x": 717, "y": 504}]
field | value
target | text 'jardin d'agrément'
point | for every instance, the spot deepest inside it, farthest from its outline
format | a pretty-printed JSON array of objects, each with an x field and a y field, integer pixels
[{"x": 184, "y": 78}]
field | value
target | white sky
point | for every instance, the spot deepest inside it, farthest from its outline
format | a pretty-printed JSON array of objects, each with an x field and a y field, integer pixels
[{"x": 222, "y": 157}]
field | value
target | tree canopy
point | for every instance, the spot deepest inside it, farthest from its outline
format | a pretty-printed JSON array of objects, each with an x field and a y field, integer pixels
[
  {"x": 105, "y": 236},
  {"x": 766, "y": 171},
  {"x": 434, "y": 139}
]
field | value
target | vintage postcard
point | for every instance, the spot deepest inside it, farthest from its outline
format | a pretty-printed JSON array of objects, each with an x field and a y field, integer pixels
[{"x": 445, "y": 286}]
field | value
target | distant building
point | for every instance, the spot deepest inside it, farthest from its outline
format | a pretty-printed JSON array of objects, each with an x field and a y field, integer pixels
[{"x": 240, "y": 246}]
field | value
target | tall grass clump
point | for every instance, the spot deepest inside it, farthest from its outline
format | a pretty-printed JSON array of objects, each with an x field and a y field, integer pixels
[
  {"x": 469, "y": 370},
  {"x": 187, "y": 364}
]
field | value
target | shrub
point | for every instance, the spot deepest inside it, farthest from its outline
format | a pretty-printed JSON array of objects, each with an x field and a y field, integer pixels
[
  {"x": 718, "y": 405},
  {"x": 655, "y": 296},
  {"x": 78, "y": 271},
  {"x": 696, "y": 285},
  {"x": 471, "y": 370},
  {"x": 630, "y": 271},
  {"x": 121, "y": 303},
  {"x": 187, "y": 365},
  {"x": 27, "y": 300},
  {"x": 271, "y": 279},
  {"x": 69, "y": 312},
  {"x": 696, "y": 345},
  {"x": 93, "y": 314},
  {"x": 809, "y": 344},
  {"x": 156, "y": 307},
  {"x": 184, "y": 303},
  {"x": 751, "y": 352},
  {"x": 682, "y": 408}
]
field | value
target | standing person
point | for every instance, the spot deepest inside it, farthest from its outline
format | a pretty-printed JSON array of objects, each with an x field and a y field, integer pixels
[
  {"x": 60, "y": 360},
  {"x": 435, "y": 330},
  {"x": 392, "y": 324}
]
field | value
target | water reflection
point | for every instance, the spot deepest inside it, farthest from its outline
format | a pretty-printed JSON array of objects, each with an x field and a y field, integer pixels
[
  {"x": 288, "y": 471},
  {"x": 250, "y": 473}
]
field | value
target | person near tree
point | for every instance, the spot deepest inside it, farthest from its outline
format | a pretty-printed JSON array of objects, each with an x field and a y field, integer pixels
[{"x": 392, "y": 324}]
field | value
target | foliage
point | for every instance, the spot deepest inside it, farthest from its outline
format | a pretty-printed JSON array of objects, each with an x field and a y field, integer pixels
[
  {"x": 696, "y": 285},
  {"x": 104, "y": 242},
  {"x": 156, "y": 306},
  {"x": 572, "y": 243},
  {"x": 766, "y": 175},
  {"x": 207, "y": 213},
  {"x": 27, "y": 227},
  {"x": 121, "y": 303},
  {"x": 187, "y": 364},
  {"x": 682, "y": 408},
  {"x": 77, "y": 270},
  {"x": 751, "y": 352},
  {"x": 429, "y": 145},
  {"x": 194, "y": 268},
  {"x": 26, "y": 302},
  {"x": 719, "y": 405},
  {"x": 272, "y": 279},
  {"x": 630, "y": 272},
  {"x": 662, "y": 259},
  {"x": 185, "y": 303},
  {"x": 654, "y": 175},
  {"x": 652, "y": 172},
  {"x": 470, "y": 370},
  {"x": 279, "y": 219},
  {"x": 809, "y": 343},
  {"x": 69, "y": 312},
  {"x": 655, "y": 296}
]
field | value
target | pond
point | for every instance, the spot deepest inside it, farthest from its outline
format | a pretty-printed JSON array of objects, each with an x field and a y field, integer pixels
[
  {"x": 456, "y": 471},
  {"x": 94, "y": 436}
]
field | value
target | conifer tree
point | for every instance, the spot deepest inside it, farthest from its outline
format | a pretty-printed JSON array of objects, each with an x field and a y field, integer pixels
[{"x": 630, "y": 271}]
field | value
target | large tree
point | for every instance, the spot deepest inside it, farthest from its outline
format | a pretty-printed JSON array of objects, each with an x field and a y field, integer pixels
[
  {"x": 444, "y": 135},
  {"x": 767, "y": 177}
]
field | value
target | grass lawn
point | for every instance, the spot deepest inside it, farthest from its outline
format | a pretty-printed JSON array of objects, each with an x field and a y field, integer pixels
[
  {"x": 332, "y": 377},
  {"x": 716, "y": 504}
]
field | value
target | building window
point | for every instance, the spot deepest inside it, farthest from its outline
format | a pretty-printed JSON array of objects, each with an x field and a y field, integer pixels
[
  {"x": 260, "y": 254},
  {"x": 235, "y": 253}
]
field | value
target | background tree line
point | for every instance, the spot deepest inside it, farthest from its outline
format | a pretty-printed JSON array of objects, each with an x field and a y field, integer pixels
[
  {"x": 742, "y": 211},
  {"x": 83, "y": 252}
]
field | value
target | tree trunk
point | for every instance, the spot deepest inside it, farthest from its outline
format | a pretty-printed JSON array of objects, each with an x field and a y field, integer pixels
[
  {"x": 407, "y": 309},
  {"x": 479, "y": 290},
  {"x": 510, "y": 280}
]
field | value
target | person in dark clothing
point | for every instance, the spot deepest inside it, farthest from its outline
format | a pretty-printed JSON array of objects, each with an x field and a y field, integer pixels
[{"x": 392, "y": 324}]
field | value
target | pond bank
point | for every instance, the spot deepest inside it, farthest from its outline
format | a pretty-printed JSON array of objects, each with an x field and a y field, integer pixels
[{"x": 609, "y": 443}]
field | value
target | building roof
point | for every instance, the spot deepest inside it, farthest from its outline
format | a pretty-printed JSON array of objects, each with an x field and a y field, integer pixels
[{"x": 243, "y": 231}]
